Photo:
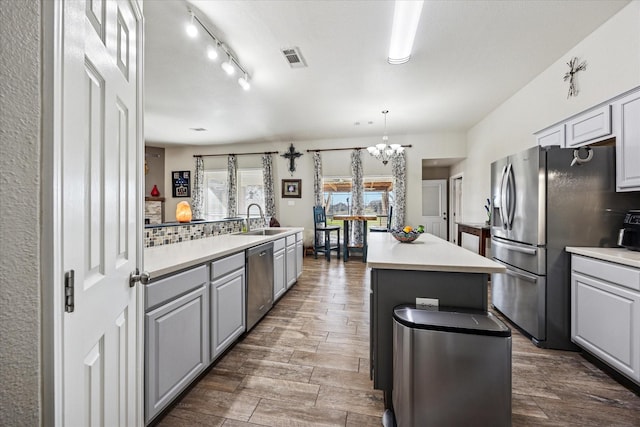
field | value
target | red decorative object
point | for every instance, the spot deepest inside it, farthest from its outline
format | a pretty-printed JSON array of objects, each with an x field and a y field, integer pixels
[{"x": 155, "y": 192}]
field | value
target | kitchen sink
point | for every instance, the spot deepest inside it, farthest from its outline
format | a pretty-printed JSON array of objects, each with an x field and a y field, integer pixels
[{"x": 263, "y": 232}]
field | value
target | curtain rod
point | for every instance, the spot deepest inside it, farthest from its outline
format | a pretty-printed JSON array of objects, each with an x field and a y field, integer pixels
[
  {"x": 234, "y": 154},
  {"x": 352, "y": 148}
]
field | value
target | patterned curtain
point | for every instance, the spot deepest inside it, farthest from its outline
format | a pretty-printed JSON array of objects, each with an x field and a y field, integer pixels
[
  {"x": 197, "y": 200},
  {"x": 399, "y": 172},
  {"x": 232, "y": 182},
  {"x": 267, "y": 177},
  {"x": 317, "y": 180},
  {"x": 357, "y": 192}
]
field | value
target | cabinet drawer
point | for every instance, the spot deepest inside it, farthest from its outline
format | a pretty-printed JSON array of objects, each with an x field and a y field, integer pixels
[
  {"x": 614, "y": 273},
  {"x": 299, "y": 236},
  {"x": 168, "y": 288},
  {"x": 278, "y": 245},
  {"x": 291, "y": 240},
  {"x": 226, "y": 265},
  {"x": 589, "y": 126}
]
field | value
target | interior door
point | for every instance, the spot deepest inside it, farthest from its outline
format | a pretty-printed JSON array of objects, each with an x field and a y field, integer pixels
[
  {"x": 100, "y": 219},
  {"x": 434, "y": 207}
]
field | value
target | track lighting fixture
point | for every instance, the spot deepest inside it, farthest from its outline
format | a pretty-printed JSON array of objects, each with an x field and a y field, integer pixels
[
  {"x": 231, "y": 64},
  {"x": 192, "y": 31},
  {"x": 244, "y": 82},
  {"x": 228, "y": 67}
]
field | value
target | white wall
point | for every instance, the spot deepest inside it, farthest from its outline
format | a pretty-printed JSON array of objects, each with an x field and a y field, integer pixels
[
  {"x": 20, "y": 115},
  {"x": 297, "y": 212},
  {"x": 612, "y": 53}
]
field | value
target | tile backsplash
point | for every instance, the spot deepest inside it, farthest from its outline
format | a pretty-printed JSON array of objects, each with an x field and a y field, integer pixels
[{"x": 167, "y": 234}]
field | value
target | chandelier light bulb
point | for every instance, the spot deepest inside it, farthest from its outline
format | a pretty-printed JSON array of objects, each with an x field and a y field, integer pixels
[{"x": 381, "y": 146}]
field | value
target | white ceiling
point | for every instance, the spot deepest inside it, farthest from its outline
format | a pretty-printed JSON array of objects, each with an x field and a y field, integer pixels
[{"x": 468, "y": 57}]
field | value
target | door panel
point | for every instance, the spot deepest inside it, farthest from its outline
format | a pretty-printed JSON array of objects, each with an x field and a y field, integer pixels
[
  {"x": 100, "y": 219},
  {"x": 434, "y": 207}
]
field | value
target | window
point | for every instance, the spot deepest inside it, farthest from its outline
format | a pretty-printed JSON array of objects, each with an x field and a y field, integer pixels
[
  {"x": 250, "y": 190},
  {"x": 378, "y": 196}
]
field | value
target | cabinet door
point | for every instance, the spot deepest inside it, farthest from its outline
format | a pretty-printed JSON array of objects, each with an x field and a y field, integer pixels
[
  {"x": 299, "y": 250},
  {"x": 291, "y": 265},
  {"x": 551, "y": 136},
  {"x": 177, "y": 348},
  {"x": 627, "y": 122},
  {"x": 279, "y": 279},
  {"x": 605, "y": 321},
  {"x": 588, "y": 127},
  {"x": 227, "y": 311}
]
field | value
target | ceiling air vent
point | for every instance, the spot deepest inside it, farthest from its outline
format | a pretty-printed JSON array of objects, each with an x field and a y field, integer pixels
[{"x": 294, "y": 57}]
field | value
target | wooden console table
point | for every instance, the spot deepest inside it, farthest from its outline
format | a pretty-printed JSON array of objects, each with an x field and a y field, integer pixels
[{"x": 483, "y": 231}]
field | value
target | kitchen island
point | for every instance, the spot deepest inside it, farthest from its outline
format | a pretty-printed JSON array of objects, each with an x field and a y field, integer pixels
[{"x": 430, "y": 267}]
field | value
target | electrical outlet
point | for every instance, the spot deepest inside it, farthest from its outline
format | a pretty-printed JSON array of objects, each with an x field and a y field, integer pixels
[{"x": 427, "y": 302}]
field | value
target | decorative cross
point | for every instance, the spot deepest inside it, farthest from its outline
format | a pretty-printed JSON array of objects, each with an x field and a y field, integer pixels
[
  {"x": 291, "y": 155},
  {"x": 574, "y": 67}
]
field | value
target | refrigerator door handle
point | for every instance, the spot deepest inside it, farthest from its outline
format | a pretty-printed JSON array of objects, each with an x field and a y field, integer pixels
[
  {"x": 513, "y": 273},
  {"x": 528, "y": 251},
  {"x": 503, "y": 216},
  {"x": 511, "y": 188},
  {"x": 522, "y": 276}
]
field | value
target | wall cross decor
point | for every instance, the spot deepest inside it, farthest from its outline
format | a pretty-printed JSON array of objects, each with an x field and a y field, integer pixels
[
  {"x": 291, "y": 155},
  {"x": 570, "y": 75}
]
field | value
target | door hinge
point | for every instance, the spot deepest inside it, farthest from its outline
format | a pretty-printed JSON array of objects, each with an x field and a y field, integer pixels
[{"x": 69, "y": 279}]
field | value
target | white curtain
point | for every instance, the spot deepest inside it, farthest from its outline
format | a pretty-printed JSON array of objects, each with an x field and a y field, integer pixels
[
  {"x": 399, "y": 172},
  {"x": 197, "y": 199},
  {"x": 269, "y": 196},
  {"x": 357, "y": 193},
  {"x": 232, "y": 186},
  {"x": 318, "y": 194}
]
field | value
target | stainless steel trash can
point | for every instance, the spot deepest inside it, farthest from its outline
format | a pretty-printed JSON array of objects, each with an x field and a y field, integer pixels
[{"x": 450, "y": 368}]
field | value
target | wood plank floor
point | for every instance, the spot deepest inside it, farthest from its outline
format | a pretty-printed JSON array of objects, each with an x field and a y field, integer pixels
[{"x": 306, "y": 364}]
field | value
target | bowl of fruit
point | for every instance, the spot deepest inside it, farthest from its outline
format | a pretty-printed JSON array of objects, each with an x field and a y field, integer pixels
[{"x": 407, "y": 234}]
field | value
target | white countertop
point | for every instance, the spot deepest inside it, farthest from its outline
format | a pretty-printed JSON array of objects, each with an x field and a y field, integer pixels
[
  {"x": 167, "y": 259},
  {"x": 618, "y": 255},
  {"x": 428, "y": 253}
]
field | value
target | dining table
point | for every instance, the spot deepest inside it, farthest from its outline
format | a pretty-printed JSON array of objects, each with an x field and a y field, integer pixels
[{"x": 347, "y": 219}]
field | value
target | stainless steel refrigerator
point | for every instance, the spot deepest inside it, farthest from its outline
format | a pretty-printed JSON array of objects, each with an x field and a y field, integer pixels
[{"x": 541, "y": 204}]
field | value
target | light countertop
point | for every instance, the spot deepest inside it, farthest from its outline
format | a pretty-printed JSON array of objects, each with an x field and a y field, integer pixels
[
  {"x": 618, "y": 255},
  {"x": 427, "y": 253},
  {"x": 166, "y": 259}
]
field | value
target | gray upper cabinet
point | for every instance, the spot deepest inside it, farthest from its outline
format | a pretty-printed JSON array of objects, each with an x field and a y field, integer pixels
[
  {"x": 227, "y": 293},
  {"x": 177, "y": 336},
  {"x": 627, "y": 124}
]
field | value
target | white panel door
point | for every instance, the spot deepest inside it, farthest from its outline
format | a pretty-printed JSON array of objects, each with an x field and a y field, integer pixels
[
  {"x": 434, "y": 207},
  {"x": 100, "y": 220}
]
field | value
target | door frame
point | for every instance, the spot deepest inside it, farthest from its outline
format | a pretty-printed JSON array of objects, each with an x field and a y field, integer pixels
[
  {"x": 52, "y": 272},
  {"x": 453, "y": 233}
]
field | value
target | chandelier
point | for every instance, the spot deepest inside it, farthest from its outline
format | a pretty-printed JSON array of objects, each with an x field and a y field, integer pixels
[{"x": 383, "y": 151}]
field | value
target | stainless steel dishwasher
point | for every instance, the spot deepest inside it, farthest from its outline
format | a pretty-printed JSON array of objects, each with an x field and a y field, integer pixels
[{"x": 259, "y": 282}]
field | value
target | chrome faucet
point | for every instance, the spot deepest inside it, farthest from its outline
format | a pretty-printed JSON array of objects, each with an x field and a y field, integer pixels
[{"x": 261, "y": 215}]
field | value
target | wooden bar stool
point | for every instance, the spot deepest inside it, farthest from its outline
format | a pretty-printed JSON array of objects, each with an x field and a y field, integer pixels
[{"x": 320, "y": 226}]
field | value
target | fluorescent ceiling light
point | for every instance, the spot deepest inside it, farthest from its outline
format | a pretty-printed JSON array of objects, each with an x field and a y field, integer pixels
[{"x": 406, "y": 17}]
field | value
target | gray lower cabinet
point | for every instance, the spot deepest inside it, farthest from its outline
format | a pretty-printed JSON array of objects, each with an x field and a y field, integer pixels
[
  {"x": 299, "y": 251},
  {"x": 227, "y": 293},
  {"x": 605, "y": 312},
  {"x": 176, "y": 336},
  {"x": 279, "y": 266},
  {"x": 290, "y": 256}
]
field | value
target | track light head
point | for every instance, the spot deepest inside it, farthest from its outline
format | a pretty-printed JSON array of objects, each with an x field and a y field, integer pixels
[{"x": 192, "y": 30}]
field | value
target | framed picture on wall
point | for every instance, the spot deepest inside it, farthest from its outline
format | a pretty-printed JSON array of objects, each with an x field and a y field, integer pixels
[
  {"x": 291, "y": 188},
  {"x": 181, "y": 183}
]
